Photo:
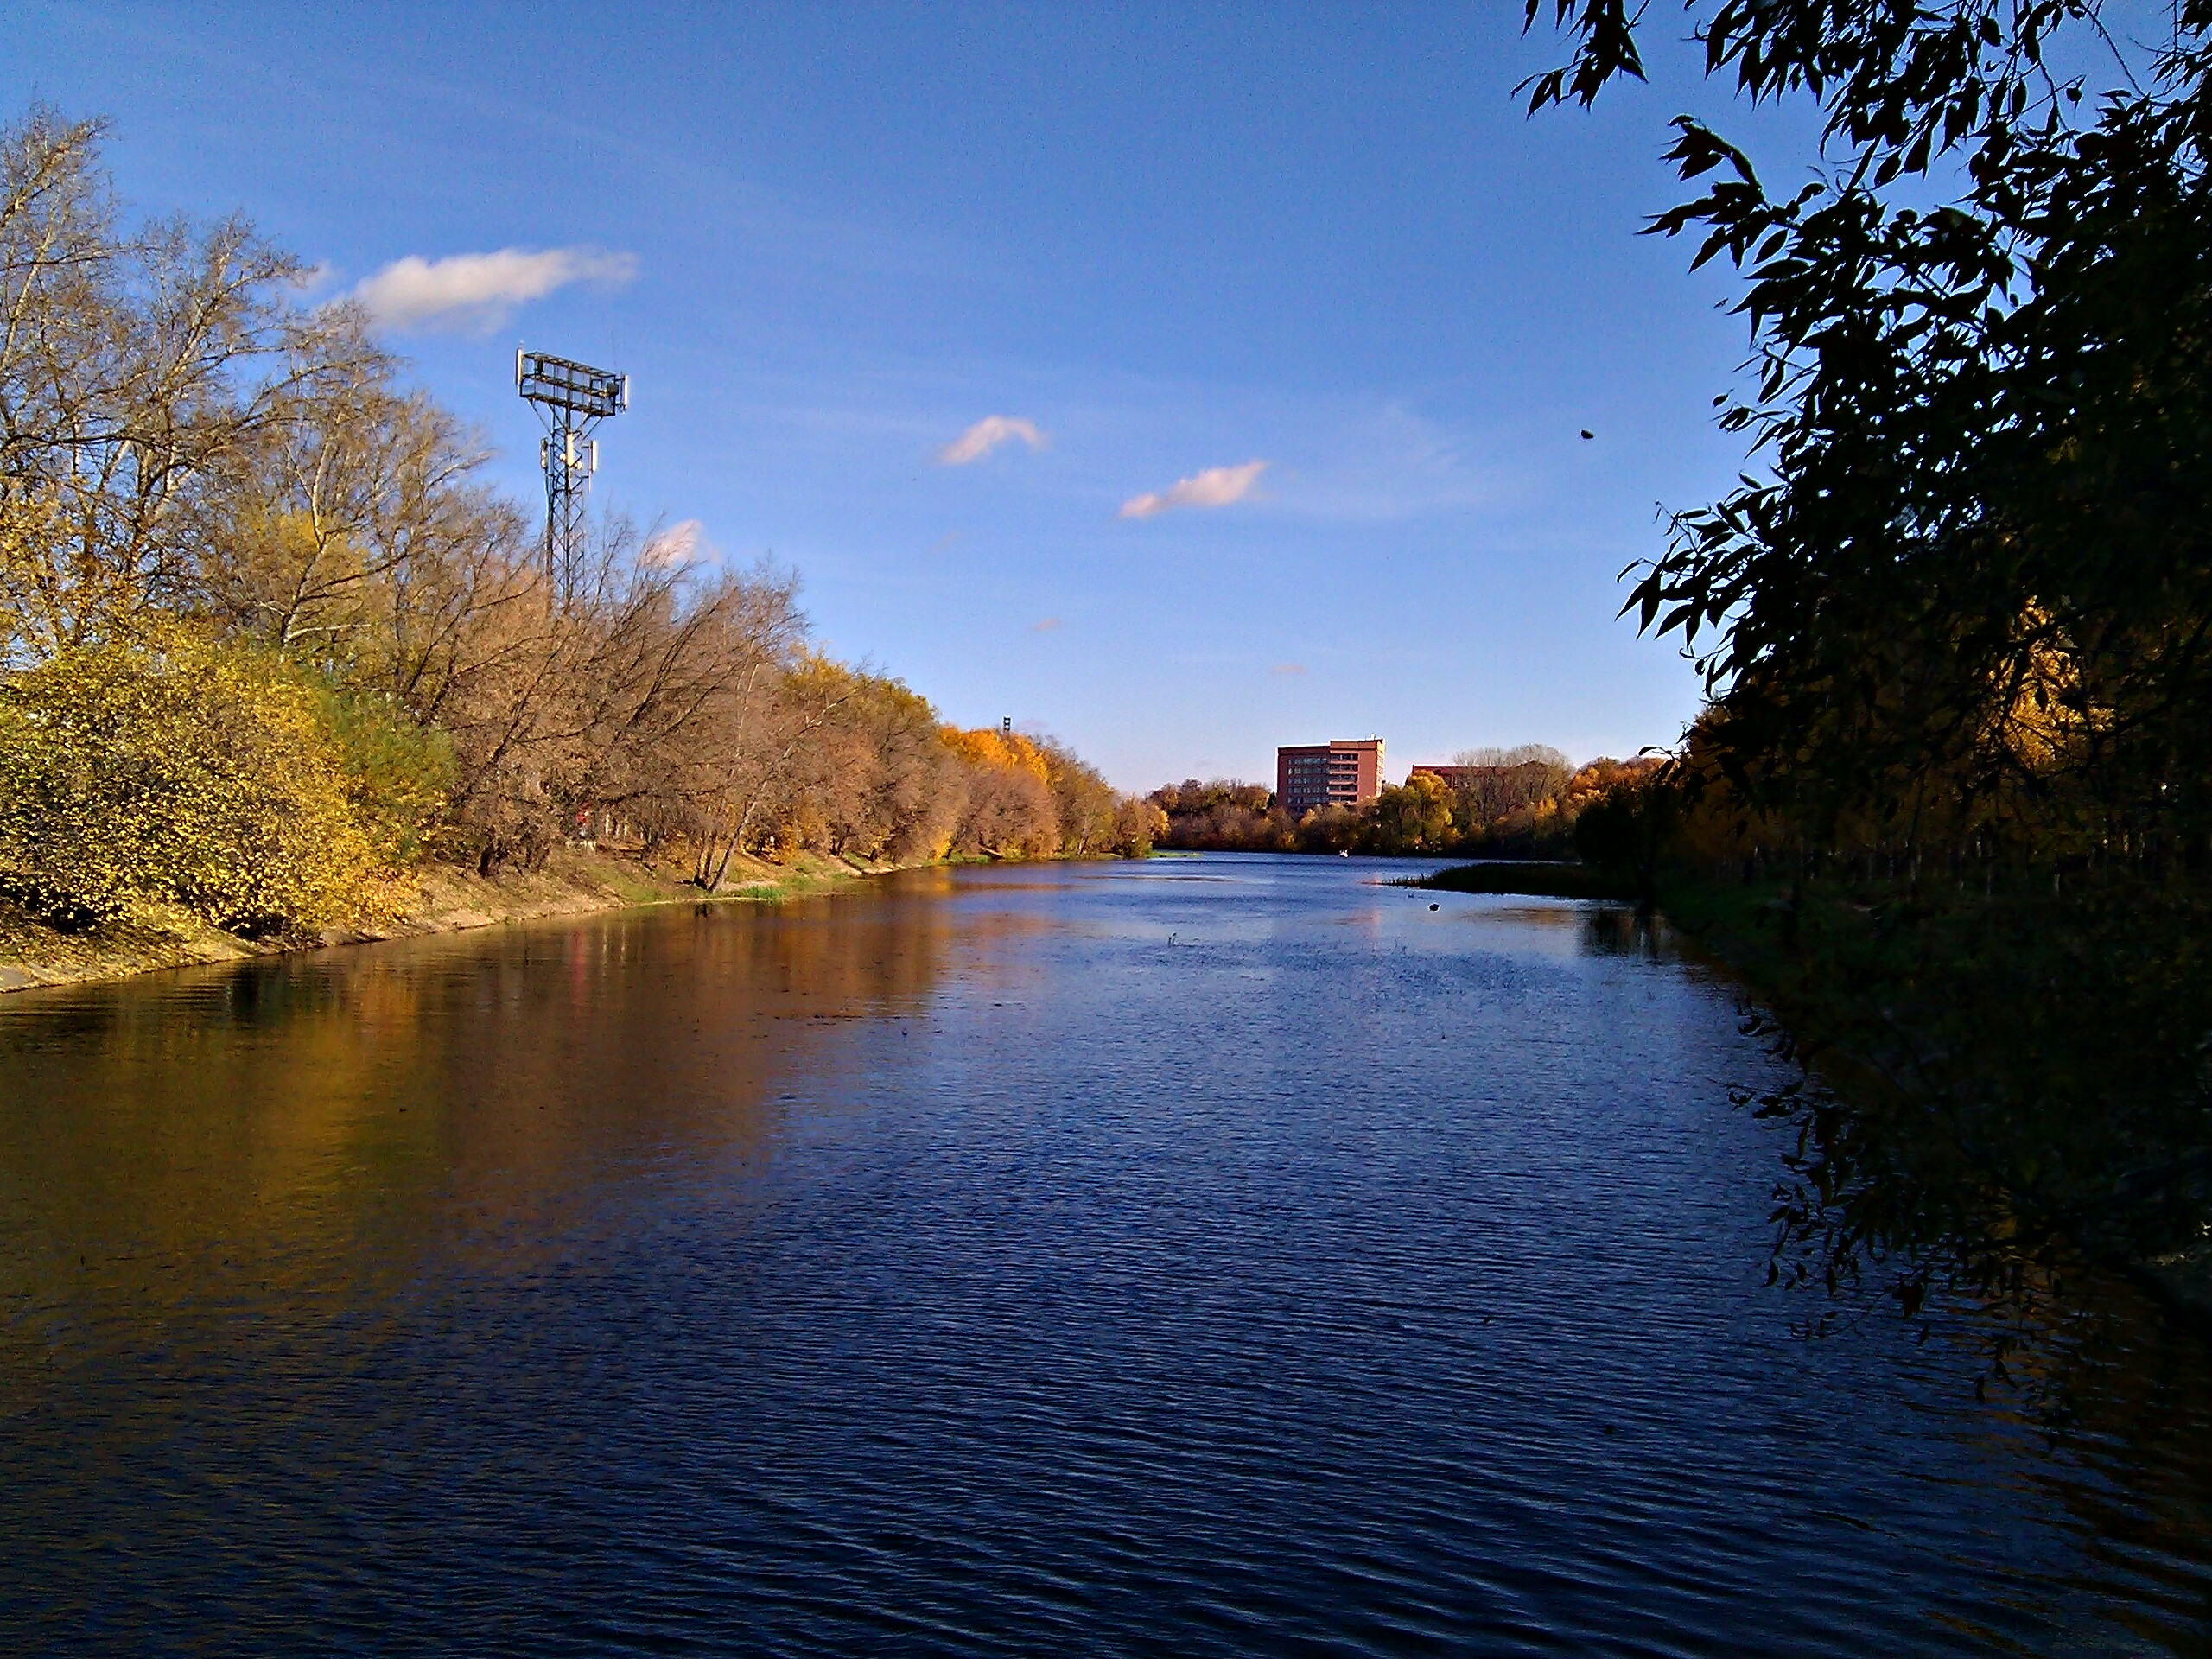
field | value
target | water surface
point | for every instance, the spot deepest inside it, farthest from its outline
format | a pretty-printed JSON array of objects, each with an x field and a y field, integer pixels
[{"x": 1204, "y": 1256}]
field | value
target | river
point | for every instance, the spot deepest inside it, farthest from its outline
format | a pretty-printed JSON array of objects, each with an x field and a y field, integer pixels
[{"x": 1219, "y": 1255}]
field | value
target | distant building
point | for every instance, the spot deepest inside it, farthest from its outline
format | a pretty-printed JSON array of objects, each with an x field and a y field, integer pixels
[{"x": 1348, "y": 773}]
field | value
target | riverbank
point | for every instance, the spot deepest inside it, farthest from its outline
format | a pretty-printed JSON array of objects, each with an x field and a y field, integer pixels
[{"x": 435, "y": 898}]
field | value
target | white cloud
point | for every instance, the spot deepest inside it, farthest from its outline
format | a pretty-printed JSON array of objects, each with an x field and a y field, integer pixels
[
  {"x": 678, "y": 545},
  {"x": 988, "y": 435},
  {"x": 477, "y": 291},
  {"x": 1216, "y": 487}
]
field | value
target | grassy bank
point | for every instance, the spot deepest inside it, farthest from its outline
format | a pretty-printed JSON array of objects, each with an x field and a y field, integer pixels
[{"x": 439, "y": 899}]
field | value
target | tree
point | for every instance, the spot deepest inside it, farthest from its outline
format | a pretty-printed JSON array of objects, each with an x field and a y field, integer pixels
[
  {"x": 1009, "y": 812},
  {"x": 1627, "y": 829},
  {"x": 1965, "y": 607},
  {"x": 1954, "y": 620},
  {"x": 879, "y": 783},
  {"x": 134, "y": 363},
  {"x": 1225, "y": 815},
  {"x": 167, "y": 771},
  {"x": 1412, "y": 817},
  {"x": 229, "y": 528},
  {"x": 1138, "y": 826},
  {"x": 1083, "y": 803},
  {"x": 1493, "y": 786}
]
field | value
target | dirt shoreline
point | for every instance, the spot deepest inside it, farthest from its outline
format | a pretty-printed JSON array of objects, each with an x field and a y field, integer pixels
[{"x": 447, "y": 899}]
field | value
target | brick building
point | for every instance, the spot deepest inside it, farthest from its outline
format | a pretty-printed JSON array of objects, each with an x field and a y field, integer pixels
[{"x": 1346, "y": 773}]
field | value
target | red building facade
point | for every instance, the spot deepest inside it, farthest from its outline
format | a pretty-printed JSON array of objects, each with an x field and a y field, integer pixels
[{"x": 1345, "y": 774}]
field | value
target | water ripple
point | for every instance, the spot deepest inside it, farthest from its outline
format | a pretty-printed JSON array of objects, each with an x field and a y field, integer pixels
[{"x": 967, "y": 1268}]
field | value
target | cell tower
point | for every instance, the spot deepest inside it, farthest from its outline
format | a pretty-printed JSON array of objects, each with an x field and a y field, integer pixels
[{"x": 572, "y": 399}]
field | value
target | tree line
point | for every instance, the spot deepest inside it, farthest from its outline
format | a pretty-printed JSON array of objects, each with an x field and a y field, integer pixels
[
  {"x": 1497, "y": 803},
  {"x": 268, "y": 636}
]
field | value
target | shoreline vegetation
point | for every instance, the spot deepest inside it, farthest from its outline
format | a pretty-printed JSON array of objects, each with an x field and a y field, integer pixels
[
  {"x": 278, "y": 665},
  {"x": 1506, "y": 803},
  {"x": 1948, "y": 805}
]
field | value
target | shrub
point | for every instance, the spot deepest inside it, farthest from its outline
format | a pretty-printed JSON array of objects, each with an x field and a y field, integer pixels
[
  {"x": 170, "y": 772},
  {"x": 399, "y": 774}
]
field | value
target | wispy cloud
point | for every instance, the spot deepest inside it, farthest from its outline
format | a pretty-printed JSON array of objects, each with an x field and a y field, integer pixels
[
  {"x": 1045, "y": 626},
  {"x": 1216, "y": 487},
  {"x": 1390, "y": 463},
  {"x": 479, "y": 290},
  {"x": 1288, "y": 668},
  {"x": 988, "y": 435},
  {"x": 681, "y": 543}
]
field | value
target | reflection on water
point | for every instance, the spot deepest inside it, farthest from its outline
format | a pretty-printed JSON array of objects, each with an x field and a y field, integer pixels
[
  {"x": 1623, "y": 930},
  {"x": 1228, "y": 1254},
  {"x": 371, "y": 1104}
]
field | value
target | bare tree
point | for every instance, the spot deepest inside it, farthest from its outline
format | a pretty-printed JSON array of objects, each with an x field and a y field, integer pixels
[
  {"x": 1494, "y": 785},
  {"x": 132, "y": 364}
]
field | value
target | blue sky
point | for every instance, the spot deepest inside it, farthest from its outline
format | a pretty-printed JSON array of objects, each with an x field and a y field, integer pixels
[{"x": 826, "y": 241}]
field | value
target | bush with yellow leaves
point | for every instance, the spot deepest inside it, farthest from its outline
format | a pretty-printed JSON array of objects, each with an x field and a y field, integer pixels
[{"x": 167, "y": 772}]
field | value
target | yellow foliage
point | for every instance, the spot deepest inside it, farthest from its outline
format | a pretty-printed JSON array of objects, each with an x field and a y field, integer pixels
[
  {"x": 170, "y": 772},
  {"x": 1413, "y": 817},
  {"x": 399, "y": 774},
  {"x": 2040, "y": 721},
  {"x": 989, "y": 747},
  {"x": 49, "y": 584}
]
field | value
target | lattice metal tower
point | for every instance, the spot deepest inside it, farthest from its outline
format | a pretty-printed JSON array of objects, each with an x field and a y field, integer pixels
[{"x": 572, "y": 399}]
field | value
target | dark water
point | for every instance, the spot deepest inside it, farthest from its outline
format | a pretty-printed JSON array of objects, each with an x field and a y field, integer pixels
[{"x": 1207, "y": 1257}]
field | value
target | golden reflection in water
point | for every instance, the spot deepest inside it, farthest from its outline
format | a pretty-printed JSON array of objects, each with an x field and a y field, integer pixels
[{"x": 189, "y": 1145}]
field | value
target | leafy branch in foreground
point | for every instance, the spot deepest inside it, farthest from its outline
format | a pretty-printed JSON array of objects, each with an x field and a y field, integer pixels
[{"x": 1954, "y": 619}]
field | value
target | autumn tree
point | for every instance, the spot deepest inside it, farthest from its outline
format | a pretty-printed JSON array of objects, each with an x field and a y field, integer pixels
[
  {"x": 1009, "y": 812},
  {"x": 212, "y": 489},
  {"x": 1953, "y": 617},
  {"x": 134, "y": 363},
  {"x": 1225, "y": 815},
  {"x": 170, "y": 772},
  {"x": 880, "y": 782},
  {"x": 1414, "y": 817},
  {"x": 1962, "y": 608}
]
